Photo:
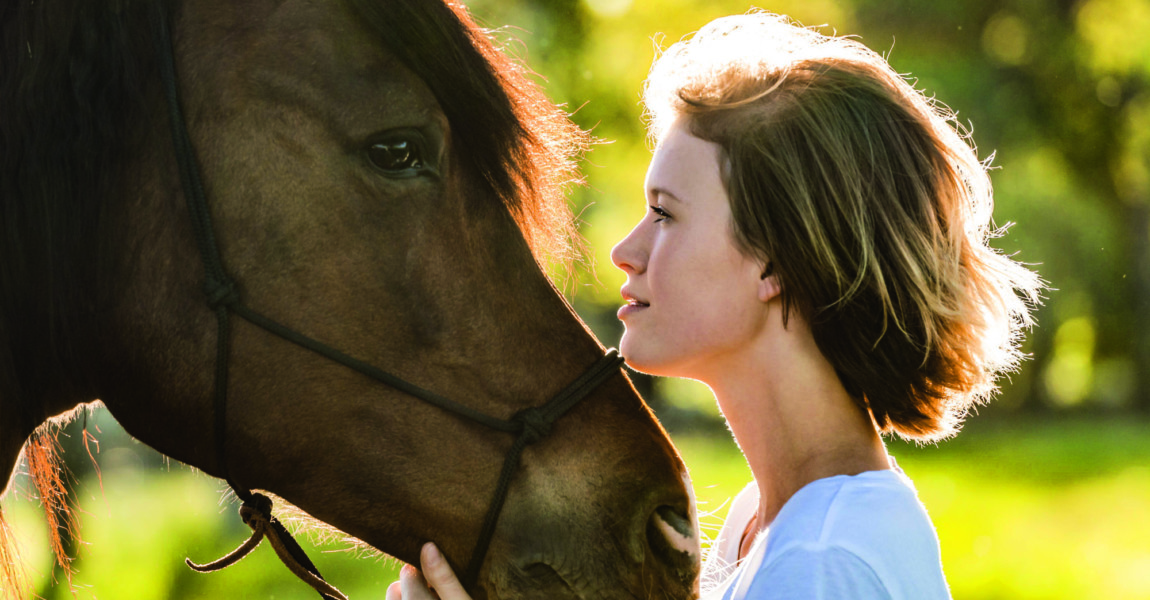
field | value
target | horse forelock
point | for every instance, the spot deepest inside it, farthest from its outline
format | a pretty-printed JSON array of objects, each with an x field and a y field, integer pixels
[{"x": 520, "y": 144}]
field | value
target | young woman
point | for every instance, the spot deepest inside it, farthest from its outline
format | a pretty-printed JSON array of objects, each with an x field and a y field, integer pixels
[{"x": 816, "y": 253}]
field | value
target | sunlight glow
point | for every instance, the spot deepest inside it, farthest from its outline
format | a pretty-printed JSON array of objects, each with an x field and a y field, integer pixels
[
  {"x": 608, "y": 8},
  {"x": 1069, "y": 376},
  {"x": 1005, "y": 38}
]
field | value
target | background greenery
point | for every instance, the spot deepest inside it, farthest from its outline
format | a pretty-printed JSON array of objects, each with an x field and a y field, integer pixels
[
  {"x": 1045, "y": 495},
  {"x": 1053, "y": 509}
]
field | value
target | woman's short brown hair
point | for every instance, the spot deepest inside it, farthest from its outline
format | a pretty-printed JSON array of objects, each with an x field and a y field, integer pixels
[{"x": 868, "y": 203}]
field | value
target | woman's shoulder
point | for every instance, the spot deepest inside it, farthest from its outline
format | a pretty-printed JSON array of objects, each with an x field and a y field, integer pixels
[
  {"x": 859, "y": 513},
  {"x": 872, "y": 522}
]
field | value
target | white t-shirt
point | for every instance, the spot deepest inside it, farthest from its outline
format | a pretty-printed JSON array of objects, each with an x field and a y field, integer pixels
[{"x": 860, "y": 537}]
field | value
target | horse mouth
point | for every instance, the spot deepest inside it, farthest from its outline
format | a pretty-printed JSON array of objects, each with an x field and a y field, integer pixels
[
  {"x": 544, "y": 580},
  {"x": 545, "y": 577},
  {"x": 539, "y": 578}
]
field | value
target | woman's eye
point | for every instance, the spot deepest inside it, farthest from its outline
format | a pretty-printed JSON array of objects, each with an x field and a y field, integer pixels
[
  {"x": 659, "y": 212},
  {"x": 397, "y": 157}
]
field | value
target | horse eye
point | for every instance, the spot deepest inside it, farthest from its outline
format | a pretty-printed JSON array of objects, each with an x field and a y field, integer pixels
[{"x": 397, "y": 157}]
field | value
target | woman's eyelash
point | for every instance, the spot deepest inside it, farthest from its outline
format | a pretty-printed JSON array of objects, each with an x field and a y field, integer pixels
[{"x": 660, "y": 212}]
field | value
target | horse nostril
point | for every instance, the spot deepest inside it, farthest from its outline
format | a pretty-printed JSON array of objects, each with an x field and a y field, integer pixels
[
  {"x": 672, "y": 537},
  {"x": 679, "y": 522}
]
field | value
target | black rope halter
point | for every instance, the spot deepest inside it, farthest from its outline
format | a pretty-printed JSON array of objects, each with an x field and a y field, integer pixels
[{"x": 529, "y": 425}]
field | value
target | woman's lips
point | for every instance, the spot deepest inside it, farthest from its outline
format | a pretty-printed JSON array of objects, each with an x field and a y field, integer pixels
[
  {"x": 632, "y": 306},
  {"x": 629, "y": 309}
]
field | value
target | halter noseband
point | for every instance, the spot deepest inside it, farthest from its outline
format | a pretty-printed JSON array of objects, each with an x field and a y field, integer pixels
[{"x": 529, "y": 425}]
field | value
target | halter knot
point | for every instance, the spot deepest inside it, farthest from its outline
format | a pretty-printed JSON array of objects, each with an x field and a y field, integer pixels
[
  {"x": 536, "y": 425},
  {"x": 221, "y": 293},
  {"x": 258, "y": 507}
]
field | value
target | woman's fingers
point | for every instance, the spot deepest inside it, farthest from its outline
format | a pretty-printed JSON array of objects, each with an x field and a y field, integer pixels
[
  {"x": 440, "y": 575},
  {"x": 412, "y": 585},
  {"x": 394, "y": 592}
]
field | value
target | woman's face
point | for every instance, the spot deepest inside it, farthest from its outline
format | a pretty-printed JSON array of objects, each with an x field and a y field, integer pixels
[{"x": 692, "y": 297}]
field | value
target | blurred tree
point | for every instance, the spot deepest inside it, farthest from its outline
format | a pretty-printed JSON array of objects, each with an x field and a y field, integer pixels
[
  {"x": 1065, "y": 81},
  {"x": 1056, "y": 90}
]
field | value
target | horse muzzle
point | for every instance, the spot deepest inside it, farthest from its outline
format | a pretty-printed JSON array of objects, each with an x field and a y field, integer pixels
[{"x": 648, "y": 549}]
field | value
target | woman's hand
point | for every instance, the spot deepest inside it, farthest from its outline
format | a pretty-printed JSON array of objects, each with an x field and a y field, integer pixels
[{"x": 412, "y": 584}]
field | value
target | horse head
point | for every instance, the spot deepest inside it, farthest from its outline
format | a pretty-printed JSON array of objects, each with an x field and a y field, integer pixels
[{"x": 380, "y": 178}]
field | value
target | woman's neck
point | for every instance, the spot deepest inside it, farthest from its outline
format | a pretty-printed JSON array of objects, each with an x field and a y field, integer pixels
[{"x": 793, "y": 419}]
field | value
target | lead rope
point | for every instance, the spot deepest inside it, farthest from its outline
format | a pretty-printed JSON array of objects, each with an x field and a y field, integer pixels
[
  {"x": 256, "y": 513},
  {"x": 531, "y": 425}
]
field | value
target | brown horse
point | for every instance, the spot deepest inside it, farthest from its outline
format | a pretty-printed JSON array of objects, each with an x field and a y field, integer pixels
[{"x": 382, "y": 179}]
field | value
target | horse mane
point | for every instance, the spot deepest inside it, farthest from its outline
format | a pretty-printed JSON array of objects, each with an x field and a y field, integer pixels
[
  {"x": 41, "y": 454},
  {"x": 70, "y": 105},
  {"x": 520, "y": 144}
]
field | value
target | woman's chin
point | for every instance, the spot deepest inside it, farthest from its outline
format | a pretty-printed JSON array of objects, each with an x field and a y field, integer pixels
[
  {"x": 631, "y": 351},
  {"x": 654, "y": 359},
  {"x": 641, "y": 359}
]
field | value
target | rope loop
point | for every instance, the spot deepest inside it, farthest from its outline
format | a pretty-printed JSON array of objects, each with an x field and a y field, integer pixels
[
  {"x": 259, "y": 508},
  {"x": 221, "y": 293},
  {"x": 536, "y": 424},
  {"x": 257, "y": 514}
]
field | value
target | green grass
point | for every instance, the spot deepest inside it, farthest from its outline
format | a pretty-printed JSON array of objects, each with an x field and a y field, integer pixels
[{"x": 1024, "y": 510}]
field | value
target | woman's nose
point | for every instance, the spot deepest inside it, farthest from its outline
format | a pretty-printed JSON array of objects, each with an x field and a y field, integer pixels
[{"x": 629, "y": 255}]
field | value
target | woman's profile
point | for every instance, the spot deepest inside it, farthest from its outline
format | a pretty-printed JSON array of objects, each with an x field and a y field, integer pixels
[{"x": 816, "y": 252}]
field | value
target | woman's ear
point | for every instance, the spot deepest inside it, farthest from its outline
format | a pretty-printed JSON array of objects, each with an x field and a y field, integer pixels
[{"x": 769, "y": 287}]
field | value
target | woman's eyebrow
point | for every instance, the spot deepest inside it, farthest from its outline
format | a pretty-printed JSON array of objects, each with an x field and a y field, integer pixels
[{"x": 661, "y": 191}]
